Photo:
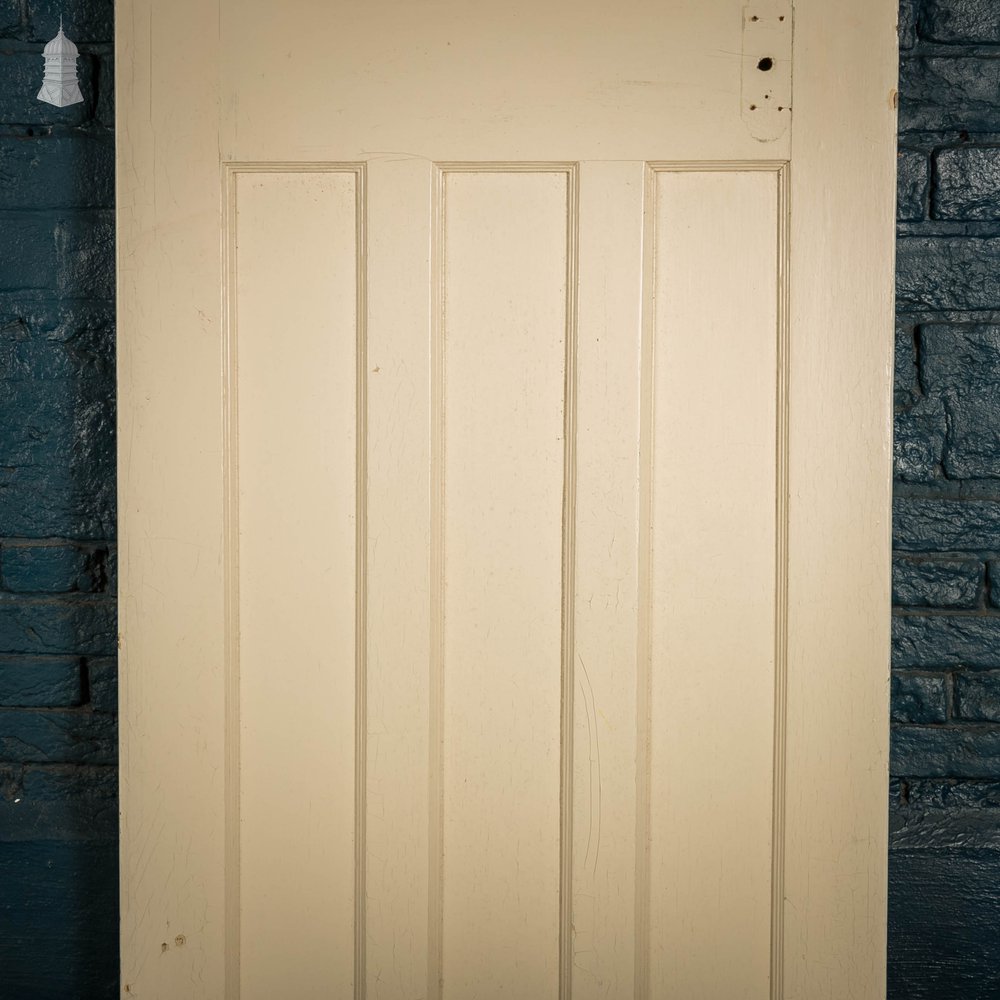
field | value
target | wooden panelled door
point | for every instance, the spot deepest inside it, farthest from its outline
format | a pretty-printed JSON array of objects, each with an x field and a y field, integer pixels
[{"x": 504, "y": 427}]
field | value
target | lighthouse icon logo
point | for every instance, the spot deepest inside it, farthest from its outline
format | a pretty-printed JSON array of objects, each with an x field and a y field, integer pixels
[{"x": 60, "y": 85}]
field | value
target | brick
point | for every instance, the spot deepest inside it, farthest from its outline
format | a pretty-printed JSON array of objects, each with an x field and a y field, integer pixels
[
  {"x": 920, "y": 525},
  {"x": 22, "y": 78},
  {"x": 41, "y": 682},
  {"x": 59, "y": 920},
  {"x": 977, "y": 697},
  {"x": 993, "y": 587},
  {"x": 47, "y": 736},
  {"x": 919, "y": 698},
  {"x": 948, "y": 273},
  {"x": 967, "y": 183},
  {"x": 933, "y": 793},
  {"x": 84, "y": 626},
  {"x": 932, "y": 641},
  {"x": 960, "y": 366},
  {"x": 53, "y": 568},
  {"x": 13, "y": 19},
  {"x": 58, "y": 791},
  {"x": 943, "y": 909},
  {"x": 961, "y": 22},
  {"x": 57, "y": 438},
  {"x": 906, "y": 25},
  {"x": 111, "y": 570},
  {"x": 945, "y": 751},
  {"x": 57, "y": 171},
  {"x": 104, "y": 111},
  {"x": 75, "y": 803},
  {"x": 72, "y": 499},
  {"x": 942, "y": 93},
  {"x": 44, "y": 341},
  {"x": 62, "y": 253},
  {"x": 936, "y": 584},
  {"x": 84, "y": 20},
  {"x": 912, "y": 182},
  {"x": 906, "y": 390},
  {"x": 919, "y": 441},
  {"x": 102, "y": 674}
]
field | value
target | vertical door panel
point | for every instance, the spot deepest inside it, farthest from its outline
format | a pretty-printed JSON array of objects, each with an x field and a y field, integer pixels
[
  {"x": 712, "y": 446},
  {"x": 504, "y": 257},
  {"x": 295, "y": 335}
]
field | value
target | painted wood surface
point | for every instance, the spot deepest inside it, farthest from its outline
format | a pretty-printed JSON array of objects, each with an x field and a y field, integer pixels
[
  {"x": 294, "y": 460},
  {"x": 508, "y": 425}
]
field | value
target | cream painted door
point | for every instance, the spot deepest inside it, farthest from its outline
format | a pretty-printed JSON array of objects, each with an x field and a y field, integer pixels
[{"x": 504, "y": 498}]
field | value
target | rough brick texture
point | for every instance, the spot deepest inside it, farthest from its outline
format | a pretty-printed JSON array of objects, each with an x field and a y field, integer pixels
[
  {"x": 930, "y": 524},
  {"x": 58, "y": 699},
  {"x": 936, "y": 583},
  {"x": 967, "y": 183},
  {"x": 977, "y": 697},
  {"x": 55, "y": 567},
  {"x": 958, "y": 22},
  {"x": 959, "y": 369},
  {"x": 919, "y": 697},
  {"x": 944, "y": 920},
  {"x": 913, "y": 183},
  {"x": 956, "y": 273},
  {"x": 943, "y": 92},
  {"x": 954, "y": 640}
]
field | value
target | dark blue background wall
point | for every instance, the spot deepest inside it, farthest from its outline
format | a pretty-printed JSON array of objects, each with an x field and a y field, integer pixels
[
  {"x": 58, "y": 868},
  {"x": 944, "y": 907},
  {"x": 58, "y": 794}
]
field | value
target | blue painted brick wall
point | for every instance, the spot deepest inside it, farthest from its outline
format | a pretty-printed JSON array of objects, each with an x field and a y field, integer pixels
[
  {"x": 944, "y": 868},
  {"x": 58, "y": 780}
]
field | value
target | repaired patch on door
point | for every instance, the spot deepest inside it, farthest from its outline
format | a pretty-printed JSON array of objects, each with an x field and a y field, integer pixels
[{"x": 766, "y": 92}]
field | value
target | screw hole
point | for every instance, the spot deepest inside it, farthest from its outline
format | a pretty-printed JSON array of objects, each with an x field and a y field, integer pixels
[
  {"x": 753, "y": 107},
  {"x": 765, "y": 64},
  {"x": 781, "y": 18},
  {"x": 755, "y": 18}
]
